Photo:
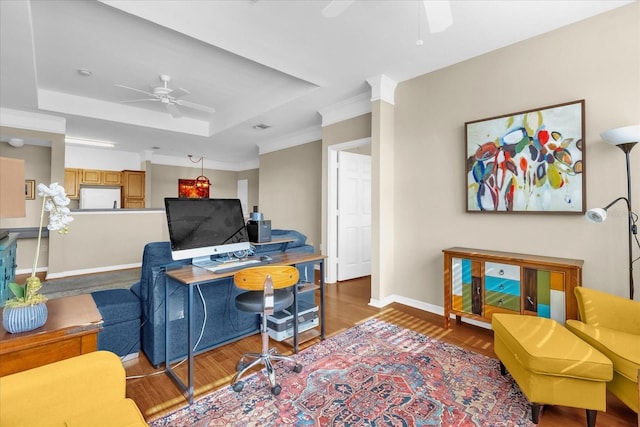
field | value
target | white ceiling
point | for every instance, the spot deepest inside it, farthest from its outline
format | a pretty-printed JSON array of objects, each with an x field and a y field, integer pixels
[{"x": 277, "y": 62}]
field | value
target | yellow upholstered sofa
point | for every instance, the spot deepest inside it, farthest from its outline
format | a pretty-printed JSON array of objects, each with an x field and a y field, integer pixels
[
  {"x": 87, "y": 390},
  {"x": 611, "y": 324}
]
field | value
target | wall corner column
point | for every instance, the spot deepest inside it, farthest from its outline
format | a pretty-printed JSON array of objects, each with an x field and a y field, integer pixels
[{"x": 382, "y": 186}]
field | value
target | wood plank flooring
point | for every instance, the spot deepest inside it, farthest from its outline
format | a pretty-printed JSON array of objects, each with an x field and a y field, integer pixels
[{"x": 346, "y": 304}]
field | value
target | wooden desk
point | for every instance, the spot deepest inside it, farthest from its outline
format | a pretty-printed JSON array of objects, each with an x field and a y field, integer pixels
[
  {"x": 72, "y": 329},
  {"x": 191, "y": 276}
]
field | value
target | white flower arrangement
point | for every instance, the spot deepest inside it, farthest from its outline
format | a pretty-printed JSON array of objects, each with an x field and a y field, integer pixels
[{"x": 54, "y": 201}]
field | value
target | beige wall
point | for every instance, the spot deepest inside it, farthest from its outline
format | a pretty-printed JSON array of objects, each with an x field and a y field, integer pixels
[
  {"x": 105, "y": 241},
  {"x": 163, "y": 180},
  {"x": 597, "y": 60},
  {"x": 290, "y": 183}
]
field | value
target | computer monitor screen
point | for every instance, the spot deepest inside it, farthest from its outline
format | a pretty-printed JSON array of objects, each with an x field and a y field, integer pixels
[{"x": 199, "y": 228}]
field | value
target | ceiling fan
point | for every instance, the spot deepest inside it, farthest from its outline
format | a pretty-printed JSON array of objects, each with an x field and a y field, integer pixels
[
  {"x": 169, "y": 98},
  {"x": 438, "y": 12}
]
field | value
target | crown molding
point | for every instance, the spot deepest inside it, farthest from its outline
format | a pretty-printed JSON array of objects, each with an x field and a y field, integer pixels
[
  {"x": 382, "y": 88},
  {"x": 158, "y": 159},
  {"x": 346, "y": 109},
  {"x": 296, "y": 138},
  {"x": 32, "y": 121}
]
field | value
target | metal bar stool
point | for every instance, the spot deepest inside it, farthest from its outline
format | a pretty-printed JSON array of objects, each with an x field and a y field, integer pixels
[{"x": 269, "y": 289}]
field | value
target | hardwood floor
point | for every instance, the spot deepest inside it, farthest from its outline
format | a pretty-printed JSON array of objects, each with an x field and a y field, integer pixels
[{"x": 346, "y": 304}]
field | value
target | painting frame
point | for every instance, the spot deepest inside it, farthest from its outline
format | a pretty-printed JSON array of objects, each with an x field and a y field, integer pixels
[
  {"x": 188, "y": 188},
  {"x": 528, "y": 162},
  {"x": 30, "y": 189}
]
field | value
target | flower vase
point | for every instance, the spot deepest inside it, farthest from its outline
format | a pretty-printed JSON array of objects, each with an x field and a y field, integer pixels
[{"x": 23, "y": 319}]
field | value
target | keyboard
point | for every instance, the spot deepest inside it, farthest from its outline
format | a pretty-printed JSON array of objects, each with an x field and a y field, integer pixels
[{"x": 231, "y": 266}]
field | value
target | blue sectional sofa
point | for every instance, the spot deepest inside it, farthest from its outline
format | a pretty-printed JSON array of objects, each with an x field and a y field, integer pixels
[{"x": 222, "y": 324}]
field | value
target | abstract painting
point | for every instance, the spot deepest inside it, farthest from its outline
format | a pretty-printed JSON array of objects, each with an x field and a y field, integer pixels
[
  {"x": 191, "y": 189},
  {"x": 527, "y": 162}
]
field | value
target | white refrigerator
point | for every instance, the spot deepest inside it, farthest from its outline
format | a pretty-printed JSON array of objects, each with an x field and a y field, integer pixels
[{"x": 100, "y": 198}]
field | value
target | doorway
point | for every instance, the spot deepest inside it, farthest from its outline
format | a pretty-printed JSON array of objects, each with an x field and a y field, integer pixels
[{"x": 349, "y": 232}]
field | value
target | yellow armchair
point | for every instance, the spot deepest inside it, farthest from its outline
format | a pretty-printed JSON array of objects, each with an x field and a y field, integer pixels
[
  {"x": 611, "y": 324},
  {"x": 87, "y": 390}
]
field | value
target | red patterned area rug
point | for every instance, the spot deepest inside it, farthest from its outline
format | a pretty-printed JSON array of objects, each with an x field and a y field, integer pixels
[{"x": 375, "y": 374}]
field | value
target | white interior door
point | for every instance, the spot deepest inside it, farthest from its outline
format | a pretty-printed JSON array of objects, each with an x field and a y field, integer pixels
[{"x": 354, "y": 215}]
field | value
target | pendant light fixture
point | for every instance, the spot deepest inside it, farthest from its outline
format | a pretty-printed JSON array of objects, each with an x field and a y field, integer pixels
[
  {"x": 202, "y": 182},
  {"x": 195, "y": 188}
]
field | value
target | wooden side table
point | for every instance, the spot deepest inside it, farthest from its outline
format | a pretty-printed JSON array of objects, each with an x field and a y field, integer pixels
[{"x": 72, "y": 329}]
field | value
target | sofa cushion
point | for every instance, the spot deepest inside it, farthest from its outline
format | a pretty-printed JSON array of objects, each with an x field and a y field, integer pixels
[{"x": 117, "y": 305}]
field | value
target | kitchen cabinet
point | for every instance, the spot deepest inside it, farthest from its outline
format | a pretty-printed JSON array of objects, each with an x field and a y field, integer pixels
[
  {"x": 72, "y": 183},
  {"x": 133, "y": 189},
  {"x": 100, "y": 177},
  {"x": 479, "y": 283}
]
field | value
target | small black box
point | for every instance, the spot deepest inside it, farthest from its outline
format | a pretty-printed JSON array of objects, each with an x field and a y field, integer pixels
[{"x": 259, "y": 231}]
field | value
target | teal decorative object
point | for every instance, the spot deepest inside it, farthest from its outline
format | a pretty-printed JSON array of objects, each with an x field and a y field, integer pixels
[{"x": 23, "y": 319}]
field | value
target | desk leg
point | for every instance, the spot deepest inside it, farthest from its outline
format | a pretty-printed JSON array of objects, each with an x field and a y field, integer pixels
[
  {"x": 295, "y": 318},
  {"x": 166, "y": 323},
  {"x": 322, "y": 330},
  {"x": 190, "y": 317},
  {"x": 188, "y": 388}
]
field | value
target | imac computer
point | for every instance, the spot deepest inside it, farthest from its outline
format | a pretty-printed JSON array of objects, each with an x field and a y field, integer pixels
[{"x": 200, "y": 228}]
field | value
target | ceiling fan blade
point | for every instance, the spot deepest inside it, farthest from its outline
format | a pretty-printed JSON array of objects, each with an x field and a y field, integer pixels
[
  {"x": 195, "y": 106},
  {"x": 438, "y": 14},
  {"x": 173, "y": 110},
  {"x": 140, "y": 100},
  {"x": 335, "y": 8},
  {"x": 137, "y": 90},
  {"x": 177, "y": 93}
]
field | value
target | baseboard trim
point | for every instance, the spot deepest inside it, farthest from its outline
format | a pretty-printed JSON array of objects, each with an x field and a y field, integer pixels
[
  {"x": 105, "y": 269},
  {"x": 431, "y": 308}
]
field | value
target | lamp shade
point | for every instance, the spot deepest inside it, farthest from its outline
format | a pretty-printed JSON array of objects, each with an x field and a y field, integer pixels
[
  {"x": 622, "y": 135},
  {"x": 596, "y": 215}
]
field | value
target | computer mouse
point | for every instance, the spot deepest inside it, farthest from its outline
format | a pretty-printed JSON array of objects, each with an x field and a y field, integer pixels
[{"x": 265, "y": 258}]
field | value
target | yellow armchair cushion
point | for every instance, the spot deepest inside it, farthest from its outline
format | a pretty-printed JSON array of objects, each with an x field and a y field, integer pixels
[
  {"x": 120, "y": 414},
  {"x": 611, "y": 311},
  {"x": 622, "y": 348},
  {"x": 78, "y": 390}
]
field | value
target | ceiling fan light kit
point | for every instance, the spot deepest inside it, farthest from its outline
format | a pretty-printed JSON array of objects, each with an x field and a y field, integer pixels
[{"x": 169, "y": 98}]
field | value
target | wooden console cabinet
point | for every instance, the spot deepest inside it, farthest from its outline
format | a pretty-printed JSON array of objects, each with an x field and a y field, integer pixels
[
  {"x": 478, "y": 283},
  {"x": 71, "y": 329}
]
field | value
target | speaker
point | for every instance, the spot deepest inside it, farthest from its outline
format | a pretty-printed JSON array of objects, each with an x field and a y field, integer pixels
[{"x": 259, "y": 231}]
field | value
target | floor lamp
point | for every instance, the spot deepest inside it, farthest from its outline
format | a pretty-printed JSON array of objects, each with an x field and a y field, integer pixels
[{"x": 624, "y": 138}]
